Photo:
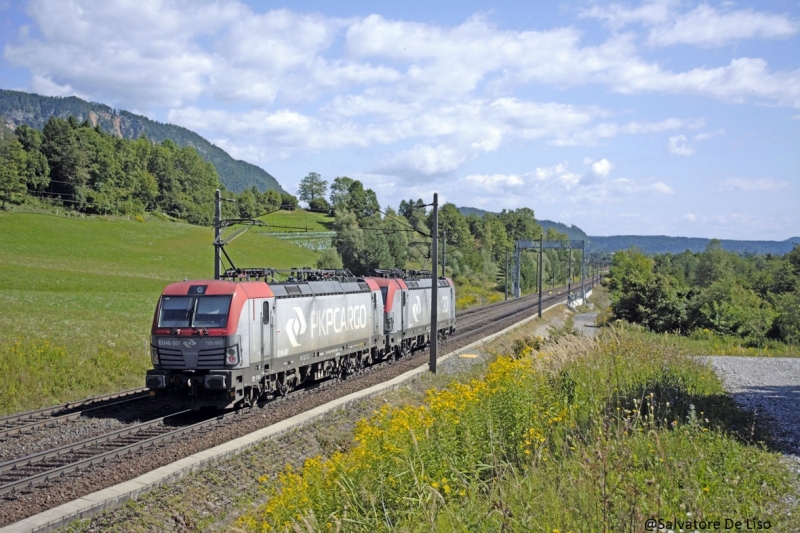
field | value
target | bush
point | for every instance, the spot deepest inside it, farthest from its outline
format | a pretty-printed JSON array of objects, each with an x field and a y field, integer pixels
[
  {"x": 329, "y": 259},
  {"x": 320, "y": 205},
  {"x": 787, "y": 321}
]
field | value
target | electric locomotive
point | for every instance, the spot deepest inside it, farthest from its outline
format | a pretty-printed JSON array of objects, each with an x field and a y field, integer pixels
[{"x": 228, "y": 343}]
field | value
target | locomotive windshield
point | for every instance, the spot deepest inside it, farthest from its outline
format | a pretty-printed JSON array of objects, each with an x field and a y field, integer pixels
[{"x": 194, "y": 311}]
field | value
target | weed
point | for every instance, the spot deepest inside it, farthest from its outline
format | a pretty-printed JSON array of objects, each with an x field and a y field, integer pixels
[{"x": 576, "y": 435}]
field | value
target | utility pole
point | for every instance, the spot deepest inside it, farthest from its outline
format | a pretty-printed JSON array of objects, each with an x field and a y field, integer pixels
[
  {"x": 569, "y": 281},
  {"x": 583, "y": 262},
  {"x": 435, "y": 284},
  {"x": 506, "y": 283},
  {"x": 541, "y": 265},
  {"x": 444, "y": 252},
  {"x": 217, "y": 233},
  {"x": 519, "y": 272}
]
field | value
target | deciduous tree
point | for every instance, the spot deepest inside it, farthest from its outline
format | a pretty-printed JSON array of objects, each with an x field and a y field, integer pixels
[
  {"x": 12, "y": 166},
  {"x": 311, "y": 187}
]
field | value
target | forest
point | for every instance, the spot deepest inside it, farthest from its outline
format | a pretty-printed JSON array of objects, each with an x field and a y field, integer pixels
[
  {"x": 85, "y": 169},
  {"x": 753, "y": 297}
]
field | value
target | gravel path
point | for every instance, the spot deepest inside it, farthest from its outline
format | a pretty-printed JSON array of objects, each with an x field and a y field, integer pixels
[
  {"x": 771, "y": 388},
  {"x": 584, "y": 323}
]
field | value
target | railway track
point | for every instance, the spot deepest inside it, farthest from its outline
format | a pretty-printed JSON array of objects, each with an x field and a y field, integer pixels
[
  {"x": 26, "y": 482},
  {"x": 22, "y": 473},
  {"x": 52, "y": 416},
  {"x": 508, "y": 308}
]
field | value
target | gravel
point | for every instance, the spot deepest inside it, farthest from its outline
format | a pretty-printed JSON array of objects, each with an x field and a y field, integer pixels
[
  {"x": 770, "y": 387},
  {"x": 99, "y": 422}
]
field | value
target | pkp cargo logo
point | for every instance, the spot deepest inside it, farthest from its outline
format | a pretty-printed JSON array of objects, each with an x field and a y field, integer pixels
[
  {"x": 416, "y": 308},
  {"x": 189, "y": 343},
  {"x": 296, "y": 326}
]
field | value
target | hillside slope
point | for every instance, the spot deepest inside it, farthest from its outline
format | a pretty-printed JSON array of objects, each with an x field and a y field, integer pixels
[{"x": 34, "y": 110}]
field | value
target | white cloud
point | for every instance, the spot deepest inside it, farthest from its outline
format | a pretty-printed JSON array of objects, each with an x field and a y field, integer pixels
[
  {"x": 755, "y": 185},
  {"x": 132, "y": 53},
  {"x": 660, "y": 188},
  {"x": 155, "y": 54},
  {"x": 602, "y": 167},
  {"x": 424, "y": 160},
  {"x": 708, "y": 135},
  {"x": 547, "y": 185},
  {"x": 42, "y": 85},
  {"x": 679, "y": 145},
  {"x": 595, "y": 134},
  {"x": 459, "y": 132},
  {"x": 707, "y": 26},
  {"x": 495, "y": 180},
  {"x": 618, "y": 16},
  {"x": 702, "y": 26}
]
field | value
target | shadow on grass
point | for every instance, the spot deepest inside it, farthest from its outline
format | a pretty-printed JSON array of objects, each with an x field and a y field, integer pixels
[
  {"x": 749, "y": 416},
  {"x": 328, "y": 222}
]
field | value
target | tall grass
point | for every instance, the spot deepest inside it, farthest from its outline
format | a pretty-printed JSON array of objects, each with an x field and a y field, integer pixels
[
  {"x": 574, "y": 436},
  {"x": 46, "y": 374}
]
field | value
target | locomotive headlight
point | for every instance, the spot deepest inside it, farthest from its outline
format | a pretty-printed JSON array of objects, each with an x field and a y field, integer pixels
[
  {"x": 154, "y": 355},
  {"x": 232, "y": 356}
]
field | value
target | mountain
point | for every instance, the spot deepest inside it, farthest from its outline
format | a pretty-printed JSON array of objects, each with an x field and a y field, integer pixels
[
  {"x": 659, "y": 244},
  {"x": 34, "y": 110}
]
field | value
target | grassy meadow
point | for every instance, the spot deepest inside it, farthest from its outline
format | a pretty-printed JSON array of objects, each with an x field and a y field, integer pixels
[
  {"x": 78, "y": 294},
  {"x": 297, "y": 220}
]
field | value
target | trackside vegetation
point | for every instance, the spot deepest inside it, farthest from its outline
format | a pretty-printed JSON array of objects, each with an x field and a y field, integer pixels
[
  {"x": 714, "y": 296},
  {"x": 556, "y": 436}
]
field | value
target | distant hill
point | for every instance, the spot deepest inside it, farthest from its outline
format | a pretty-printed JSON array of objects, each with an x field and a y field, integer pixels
[
  {"x": 34, "y": 110},
  {"x": 656, "y": 244},
  {"x": 573, "y": 232},
  {"x": 659, "y": 244},
  {"x": 466, "y": 211}
]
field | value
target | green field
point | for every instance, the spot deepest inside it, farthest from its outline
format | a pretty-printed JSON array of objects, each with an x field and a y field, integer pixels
[
  {"x": 297, "y": 220},
  {"x": 78, "y": 294}
]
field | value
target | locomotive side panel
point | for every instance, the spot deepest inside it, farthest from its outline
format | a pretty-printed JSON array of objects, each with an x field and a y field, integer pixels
[
  {"x": 417, "y": 309},
  {"x": 322, "y": 325}
]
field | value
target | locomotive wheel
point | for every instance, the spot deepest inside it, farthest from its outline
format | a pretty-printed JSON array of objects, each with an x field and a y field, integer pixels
[{"x": 283, "y": 388}]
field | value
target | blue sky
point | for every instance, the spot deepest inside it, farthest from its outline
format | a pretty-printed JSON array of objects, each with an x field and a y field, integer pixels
[{"x": 665, "y": 117}]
